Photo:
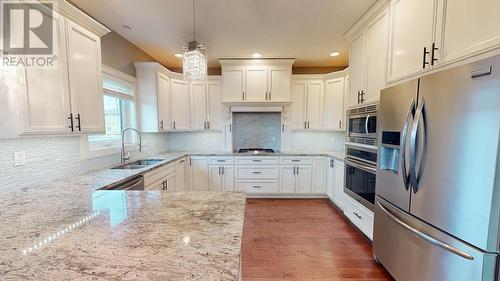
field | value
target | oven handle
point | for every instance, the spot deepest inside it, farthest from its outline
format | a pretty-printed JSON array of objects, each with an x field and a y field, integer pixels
[
  {"x": 361, "y": 166},
  {"x": 366, "y": 123}
]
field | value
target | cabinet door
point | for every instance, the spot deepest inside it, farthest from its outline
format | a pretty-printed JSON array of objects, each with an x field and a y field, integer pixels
[
  {"x": 468, "y": 28},
  {"x": 228, "y": 178},
  {"x": 180, "y": 105},
  {"x": 199, "y": 173},
  {"x": 356, "y": 69},
  {"x": 279, "y": 84},
  {"x": 338, "y": 190},
  {"x": 180, "y": 175},
  {"x": 233, "y": 80},
  {"x": 304, "y": 179},
  {"x": 256, "y": 84},
  {"x": 412, "y": 26},
  {"x": 164, "y": 103},
  {"x": 319, "y": 177},
  {"x": 170, "y": 182},
  {"x": 287, "y": 179},
  {"x": 198, "y": 106},
  {"x": 330, "y": 179},
  {"x": 215, "y": 178},
  {"x": 45, "y": 101},
  {"x": 299, "y": 95},
  {"x": 376, "y": 36},
  {"x": 216, "y": 108},
  {"x": 334, "y": 104},
  {"x": 315, "y": 92},
  {"x": 85, "y": 77}
]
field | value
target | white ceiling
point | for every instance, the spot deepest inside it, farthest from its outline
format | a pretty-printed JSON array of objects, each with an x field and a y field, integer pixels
[{"x": 308, "y": 30}]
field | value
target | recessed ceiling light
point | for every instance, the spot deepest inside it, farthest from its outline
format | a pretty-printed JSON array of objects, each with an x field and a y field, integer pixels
[
  {"x": 334, "y": 54},
  {"x": 256, "y": 55},
  {"x": 178, "y": 55}
]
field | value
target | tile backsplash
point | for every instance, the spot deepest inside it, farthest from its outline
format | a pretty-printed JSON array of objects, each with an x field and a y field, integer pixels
[
  {"x": 257, "y": 130},
  {"x": 50, "y": 158},
  {"x": 196, "y": 141},
  {"x": 317, "y": 141}
]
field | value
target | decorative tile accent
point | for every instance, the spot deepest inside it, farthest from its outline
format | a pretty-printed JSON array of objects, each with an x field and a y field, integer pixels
[{"x": 257, "y": 130}]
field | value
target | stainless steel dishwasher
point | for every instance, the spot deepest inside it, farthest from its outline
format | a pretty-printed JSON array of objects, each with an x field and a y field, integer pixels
[{"x": 135, "y": 183}]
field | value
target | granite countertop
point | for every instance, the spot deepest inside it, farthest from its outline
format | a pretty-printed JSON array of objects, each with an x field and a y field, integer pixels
[{"x": 69, "y": 232}]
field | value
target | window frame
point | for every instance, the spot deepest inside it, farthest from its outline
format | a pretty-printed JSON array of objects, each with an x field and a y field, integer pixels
[{"x": 88, "y": 150}]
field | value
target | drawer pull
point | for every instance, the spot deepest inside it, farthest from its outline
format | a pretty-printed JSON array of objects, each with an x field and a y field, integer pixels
[
  {"x": 256, "y": 186},
  {"x": 295, "y": 160},
  {"x": 221, "y": 161},
  {"x": 256, "y": 172},
  {"x": 357, "y": 215},
  {"x": 257, "y": 160}
]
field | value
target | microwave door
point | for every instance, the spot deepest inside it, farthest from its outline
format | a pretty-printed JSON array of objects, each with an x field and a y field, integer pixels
[{"x": 396, "y": 112}]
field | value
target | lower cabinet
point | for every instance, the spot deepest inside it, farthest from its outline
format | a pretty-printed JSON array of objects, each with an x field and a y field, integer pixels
[
  {"x": 262, "y": 186},
  {"x": 319, "y": 177},
  {"x": 359, "y": 215},
  {"x": 296, "y": 179},
  {"x": 162, "y": 178},
  {"x": 221, "y": 177},
  {"x": 180, "y": 175},
  {"x": 199, "y": 173},
  {"x": 335, "y": 182}
]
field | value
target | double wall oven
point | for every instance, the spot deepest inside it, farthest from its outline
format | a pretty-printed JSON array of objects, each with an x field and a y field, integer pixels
[{"x": 361, "y": 155}]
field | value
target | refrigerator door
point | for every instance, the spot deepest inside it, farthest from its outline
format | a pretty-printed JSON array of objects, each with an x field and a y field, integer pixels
[
  {"x": 454, "y": 147},
  {"x": 412, "y": 250},
  {"x": 397, "y": 107}
]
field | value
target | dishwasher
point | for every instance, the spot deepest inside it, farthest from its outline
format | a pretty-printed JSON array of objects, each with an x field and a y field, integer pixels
[{"x": 135, "y": 183}]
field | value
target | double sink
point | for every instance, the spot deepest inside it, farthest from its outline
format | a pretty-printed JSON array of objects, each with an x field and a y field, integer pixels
[{"x": 139, "y": 164}]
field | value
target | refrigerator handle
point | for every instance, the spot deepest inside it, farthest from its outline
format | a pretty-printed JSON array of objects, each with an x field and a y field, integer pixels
[
  {"x": 425, "y": 236},
  {"x": 419, "y": 115},
  {"x": 404, "y": 139}
]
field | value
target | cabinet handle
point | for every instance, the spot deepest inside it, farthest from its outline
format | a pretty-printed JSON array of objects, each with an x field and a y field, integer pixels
[
  {"x": 243, "y": 95},
  {"x": 222, "y": 169},
  {"x": 256, "y": 186},
  {"x": 294, "y": 170},
  {"x": 190, "y": 162},
  {"x": 257, "y": 160},
  {"x": 358, "y": 96},
  {"x": 270, "y": 96},
  {"x": 340, "y": 125},
  {"x": 297, "y": 170},
  {"x": 305, "y": 125},
  {"x": 219, "y": 170},
  {"x": 208, "y": 125},
  {"x": 425, "y": 62},
  {"x": 433, "y": 53},
  {"x": 174, "y": 125},
  {"x": 257, "y": 173},
  {"x": 230, "y": 128},
  {"x": 79, "y": 126},
  {"x": 295, "y": 160},
  {"x": 161, "y": 125},
  {"x": 70, "y": 118},
  {"x": 362, "y": 96},
  {"x": 221, "y": 161},
  {"x": 308, "y": 127},
  {"x": 357, "y": 215},
  {"x": 283, "y": 128}
]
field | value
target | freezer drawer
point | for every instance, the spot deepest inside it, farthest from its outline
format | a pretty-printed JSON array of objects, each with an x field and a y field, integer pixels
[{"x": 414, "y": 251}]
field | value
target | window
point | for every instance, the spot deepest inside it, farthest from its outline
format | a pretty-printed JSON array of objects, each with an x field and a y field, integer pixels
[{"x": 119, "y": 113}]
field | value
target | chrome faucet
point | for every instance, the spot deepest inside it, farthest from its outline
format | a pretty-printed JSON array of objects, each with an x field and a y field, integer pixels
[{"x": 125, "y": 158}]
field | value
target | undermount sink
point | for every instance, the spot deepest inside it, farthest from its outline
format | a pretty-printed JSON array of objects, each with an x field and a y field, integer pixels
[{"x": 138, "y": 164}]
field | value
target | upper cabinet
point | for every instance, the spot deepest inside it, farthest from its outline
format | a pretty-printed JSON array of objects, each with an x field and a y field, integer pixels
[
  {"x": 256, "y": 81},
  {"x": 65, "y": 99},
  {"x": 427, "y": 35},
  {"x": 334, "y": 104},
  {"x": 207, "y": 110},
  {"x": 368, "y": 59},
  {"x": 181, "y": 119}
]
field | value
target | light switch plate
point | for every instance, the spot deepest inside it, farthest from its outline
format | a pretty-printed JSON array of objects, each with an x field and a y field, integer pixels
[{"x": 19, "y": 158}]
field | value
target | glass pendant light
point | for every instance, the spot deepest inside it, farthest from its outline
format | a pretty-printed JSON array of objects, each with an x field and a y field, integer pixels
[{"x": 194, "y": 62}]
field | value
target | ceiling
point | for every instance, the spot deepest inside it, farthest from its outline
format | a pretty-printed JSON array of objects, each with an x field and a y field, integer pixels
[{"x": 308, "y": 30}]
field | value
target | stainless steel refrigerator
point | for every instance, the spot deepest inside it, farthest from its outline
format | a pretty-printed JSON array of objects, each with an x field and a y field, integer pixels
[{"x": 437, "y": 210}]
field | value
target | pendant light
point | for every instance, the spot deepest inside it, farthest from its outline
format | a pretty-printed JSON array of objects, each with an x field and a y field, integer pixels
[{"x": 195, "y": 57}]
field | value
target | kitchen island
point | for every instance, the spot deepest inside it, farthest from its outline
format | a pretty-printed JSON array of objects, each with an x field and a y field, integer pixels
[{"x": 69, "y": 232}]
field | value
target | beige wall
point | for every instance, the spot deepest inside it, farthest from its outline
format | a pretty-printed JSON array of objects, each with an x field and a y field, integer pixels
[{"x": 120, "y": 54}]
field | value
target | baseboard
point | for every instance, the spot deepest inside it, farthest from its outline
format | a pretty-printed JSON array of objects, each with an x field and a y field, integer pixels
[{"x": 286, "y": 195}]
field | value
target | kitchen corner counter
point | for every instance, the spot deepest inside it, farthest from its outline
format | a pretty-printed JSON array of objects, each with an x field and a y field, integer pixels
[{"x": 74, "y": 233}]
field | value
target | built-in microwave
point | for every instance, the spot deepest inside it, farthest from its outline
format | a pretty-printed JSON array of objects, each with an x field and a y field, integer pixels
[{"x": 363, "y": 122}]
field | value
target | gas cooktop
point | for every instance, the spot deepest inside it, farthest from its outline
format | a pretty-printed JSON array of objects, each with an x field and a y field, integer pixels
[{"x": 255, "y": 150}]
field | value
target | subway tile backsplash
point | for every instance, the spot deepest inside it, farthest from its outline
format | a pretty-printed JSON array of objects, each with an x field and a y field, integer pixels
[{"x": 257, "y": 130}]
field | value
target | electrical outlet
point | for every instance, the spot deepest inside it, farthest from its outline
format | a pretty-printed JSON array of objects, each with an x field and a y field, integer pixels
[{"x": 19, "y": 158}]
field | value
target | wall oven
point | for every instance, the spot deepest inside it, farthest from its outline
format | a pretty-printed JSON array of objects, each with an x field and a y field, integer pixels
[
  {"x": 363, "y": 122},
  {"x": 360, "y": 174}
]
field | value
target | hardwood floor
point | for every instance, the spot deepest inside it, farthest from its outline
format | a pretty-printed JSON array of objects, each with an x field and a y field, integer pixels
[{"x": 287, "y": 239}]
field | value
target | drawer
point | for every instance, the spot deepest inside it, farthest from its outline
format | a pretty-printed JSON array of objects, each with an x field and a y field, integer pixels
[
  {"x": 257, "y": 186},
  {"x": 359, "y": 216},
  {"x": 257, "y": 160},
  {"x": 158, "y": 174},
  {"x": 257, "y": 172},
  {"x": 220, "y": 160},
  {"x": 299, "y": 160}
]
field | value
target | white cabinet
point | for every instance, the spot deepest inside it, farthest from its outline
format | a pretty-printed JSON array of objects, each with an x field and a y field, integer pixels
[
  {"x": 180, "y": 105},
  {"x": 319, "y": 175},
  {"x": 338, "y": 183},
  {"x": 164, "y": 103},
  {"x": 468, "y": 28},
  {"x": 334, "y": 105},
  {"x": 412, "y": 30},
  {"x": 233, "y": 83},
  {"x": 199, "y": 106},
  {"x": 256, "y": 81},
  {"x": 296, "y": 179},
  {"x": 68, "y": 97},
  {"x": 360, "y": 216},
  {"x": 307, "y": 104},
  {"x": 330, "y": 179},
  {"x": 199, "y": 173},
  {"x": 368, "y": 61},
  {"x": 221, "y": 177},
  {"x": 180, "y": 175},
  {"x": 303, "y": 175},
  {"x": 162, "y": 178},
  {"x": 287, "y": 179},
  {"x": 216, "y": 110}
]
